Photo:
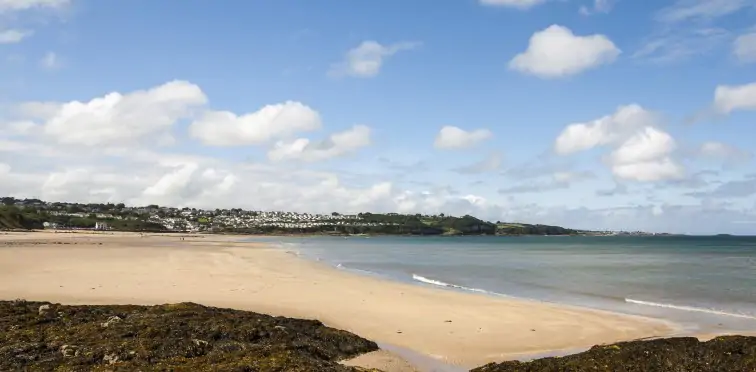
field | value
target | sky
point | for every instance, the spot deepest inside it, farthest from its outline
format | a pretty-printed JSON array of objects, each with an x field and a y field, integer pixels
[{"x": 591, "y": 114}]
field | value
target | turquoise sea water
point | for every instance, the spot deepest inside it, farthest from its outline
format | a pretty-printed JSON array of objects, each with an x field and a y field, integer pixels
[{"x": 705, "y": 284}]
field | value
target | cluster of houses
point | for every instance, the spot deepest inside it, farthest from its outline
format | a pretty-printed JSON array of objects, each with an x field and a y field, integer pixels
[{"x": 201, "y": 220}]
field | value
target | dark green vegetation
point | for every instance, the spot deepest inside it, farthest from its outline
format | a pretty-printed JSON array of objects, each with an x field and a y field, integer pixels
[
  {"x": 37, "y": 336},
  {"x": 12, "y": 218},
  {"x": 33, "y": 213},
  {"x": 685, "y": 354}
]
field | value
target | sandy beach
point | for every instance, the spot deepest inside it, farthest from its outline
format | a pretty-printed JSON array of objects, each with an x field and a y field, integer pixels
[{"x": 462, "y": 329}]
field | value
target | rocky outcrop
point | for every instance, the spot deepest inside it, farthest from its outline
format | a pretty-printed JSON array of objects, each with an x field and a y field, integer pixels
[
  {"x": 38, "y": 336},
  {"x": 684, "y": 354}
]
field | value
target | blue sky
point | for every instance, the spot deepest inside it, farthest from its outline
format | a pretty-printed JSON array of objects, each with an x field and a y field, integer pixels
[{"x": 610, "y": 114}]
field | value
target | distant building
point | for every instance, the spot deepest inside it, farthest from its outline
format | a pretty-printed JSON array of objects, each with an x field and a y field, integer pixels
[{"x": 101, "y": 226}]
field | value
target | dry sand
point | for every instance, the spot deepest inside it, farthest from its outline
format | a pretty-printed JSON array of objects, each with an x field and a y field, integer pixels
[{"x": 461, "y": 329}]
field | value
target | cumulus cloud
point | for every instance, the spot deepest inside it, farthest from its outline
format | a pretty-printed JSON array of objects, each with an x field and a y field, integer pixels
[
  {"x": 729, "y": 98},
  {"x": 646, "y": 157},
  {"x": 367, "y": 59},
  {"x": 451, "y": 137},
  {"x": 224, "y": 128},
  {"x": 646, "y": 145},
  {"x": 519, "y": 4},
  {"x": 13, "y": 36},
  {"x": 557, "y": 52},
  {"x": 336, "y": 145},
  {"x": 642, "y": 151},
  {"x": 606, "y": 130},
  {"x": 211, "y": 183},
  {"x": 116, "y": 119}
]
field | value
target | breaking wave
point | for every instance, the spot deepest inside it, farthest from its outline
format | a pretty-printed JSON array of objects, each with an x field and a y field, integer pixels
[
  {"x": 689, "y": 308},
  {"x": 439, "y": 283}
]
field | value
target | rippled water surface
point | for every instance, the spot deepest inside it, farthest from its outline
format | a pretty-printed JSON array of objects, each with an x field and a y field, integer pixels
[{"x": 704, "y": 283}]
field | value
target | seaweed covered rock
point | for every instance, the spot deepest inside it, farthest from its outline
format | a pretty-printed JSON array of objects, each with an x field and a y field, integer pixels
[
  {"x": 683, "y": 354},
  {"x": 37, "y": 336}
]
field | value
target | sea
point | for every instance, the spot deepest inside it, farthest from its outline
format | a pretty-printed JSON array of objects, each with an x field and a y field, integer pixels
[{"x": 703, "y": 284}]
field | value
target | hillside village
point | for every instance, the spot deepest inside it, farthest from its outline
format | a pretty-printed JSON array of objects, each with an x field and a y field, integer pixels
[{"x": 38, "y": 214}]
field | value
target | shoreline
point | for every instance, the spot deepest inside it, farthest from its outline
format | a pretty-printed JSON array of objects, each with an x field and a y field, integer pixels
[
  {"x": 686, "y": 320},
  {"x": 675, "y": 328},
  {"x": 217, "y": 270}
]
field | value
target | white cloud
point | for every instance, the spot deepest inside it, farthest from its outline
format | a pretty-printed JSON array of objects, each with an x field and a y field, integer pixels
[
  {"x": 744, "y": 48},
  {"x": 451, "y": 137},
  {"x": 212, "y": 183},
  {"x": 224, "y": 128},
  {"x": 172, "y": 182},
  {"x": 646, "y": 145},
  {"x": 722, "y": 151},
  {"x": 519, "y": 4},
  {"x": 642, "y": 152},
  {"x": 116, "y": 119},
  {"x": 13, "y": 36},
  {"x": 19, "y": 5},
  {"x": 367, "y": 59},
  {"x": 650, "y": 171},
  {"x": 598, "y": 6},
  {"x": 646, "y": 157},
  {"x": 556, "y": 52},
  {"x": 729, "y": 98},
  {"x": 683, "y": 10},
  {"x": 50, "y": 61},
  {"x": 19, "y": 127},
  {"x": 605, "y": 130},
  {"x": 336, "y": 145}
]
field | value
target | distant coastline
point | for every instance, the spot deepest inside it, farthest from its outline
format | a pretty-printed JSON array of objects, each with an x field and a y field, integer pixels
[{"x": 35, "y": 214}]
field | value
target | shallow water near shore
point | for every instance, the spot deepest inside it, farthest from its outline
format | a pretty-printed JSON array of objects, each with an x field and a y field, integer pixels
[{"x": 705, "y": 284}]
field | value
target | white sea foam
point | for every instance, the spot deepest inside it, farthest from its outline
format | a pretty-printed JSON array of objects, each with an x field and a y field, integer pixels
[
  {"x": 439, "y": 283},
  {"x": 689, "y": 308}
]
